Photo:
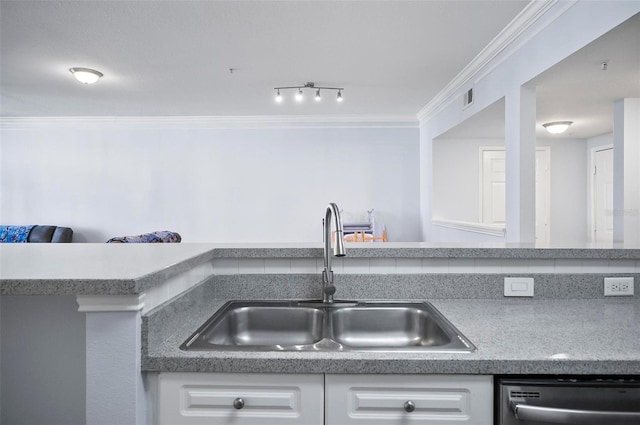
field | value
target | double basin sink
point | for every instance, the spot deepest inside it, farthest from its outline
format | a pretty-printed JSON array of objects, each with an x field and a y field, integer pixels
[{"x": 338, "y": 326}]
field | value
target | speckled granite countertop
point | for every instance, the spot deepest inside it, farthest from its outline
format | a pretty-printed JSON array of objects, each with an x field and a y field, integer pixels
[
  {"x": 124, "y": 269},
  {"x": 94, "y": 269},
  {"x": 593, "y": 336},
  {"x": 439, "y": 250}
]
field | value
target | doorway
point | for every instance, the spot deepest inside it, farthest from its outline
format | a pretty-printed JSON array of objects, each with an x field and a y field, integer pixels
[
  {"x": 492, "y": 190},
  {"x": 602, "y": 194}
]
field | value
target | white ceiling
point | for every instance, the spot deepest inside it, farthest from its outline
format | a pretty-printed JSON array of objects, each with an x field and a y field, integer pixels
[
  {"x": 576, "y": 89},
  {"x": 172, "y": 58}
]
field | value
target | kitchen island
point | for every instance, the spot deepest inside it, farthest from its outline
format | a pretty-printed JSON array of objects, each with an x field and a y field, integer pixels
[{"x": 142, "y": 301}]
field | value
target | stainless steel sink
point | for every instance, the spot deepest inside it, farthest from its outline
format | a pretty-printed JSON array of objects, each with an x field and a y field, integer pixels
[
  {"x": 317, "y": 326},
  {"x": 387, "y": 326},
  {"x": 265, "y": 325}
]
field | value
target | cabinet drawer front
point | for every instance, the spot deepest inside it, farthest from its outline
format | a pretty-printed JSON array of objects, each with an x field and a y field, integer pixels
[
  {"x": 255, "y": 400},
  {"x": 394, "y": 399},
  {"x": 240, "y": 399},
  {"x": 450, "y": 403}
]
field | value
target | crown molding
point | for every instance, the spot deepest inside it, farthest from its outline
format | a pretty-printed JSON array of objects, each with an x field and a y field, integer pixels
[
  {"x": 504, "y": 42},
  {"x": 212, "y": 122}
]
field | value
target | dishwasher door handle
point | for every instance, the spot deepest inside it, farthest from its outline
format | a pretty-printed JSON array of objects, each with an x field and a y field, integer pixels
[{"x": 526, "y": 412}]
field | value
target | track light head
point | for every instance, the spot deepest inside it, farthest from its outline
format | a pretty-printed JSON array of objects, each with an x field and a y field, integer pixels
[
  {"x": 318, "y": 95},
  {"x": 278, "y": 97},
  {"x": 339, "y": 99},
  {"x": 299, "y": 95}
]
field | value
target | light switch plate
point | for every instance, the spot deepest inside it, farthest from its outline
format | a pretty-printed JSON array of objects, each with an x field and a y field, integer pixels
[{"x": 518, "y": 287}]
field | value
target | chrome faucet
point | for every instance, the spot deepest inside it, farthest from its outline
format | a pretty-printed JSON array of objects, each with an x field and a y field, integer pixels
[{"x": 328, "y": 288}]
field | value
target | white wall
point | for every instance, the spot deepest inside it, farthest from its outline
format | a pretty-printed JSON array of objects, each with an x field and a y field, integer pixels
[
  {"x": 626, "y": 192},
  {"x": 0, "y": 357},
  {"x": 208, "y": 184},
  {"x": 43, "y": 361},
  {"x": 456, "y": 171},
  {"x": 565, "y": 28},
  {"x": 568, "y": 219},
  {"x": 456, "y": 188},
  {"x": 598, "y": 141}
]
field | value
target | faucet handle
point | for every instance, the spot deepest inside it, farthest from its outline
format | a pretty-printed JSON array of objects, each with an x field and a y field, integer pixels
[{"x": 330, "y": 289}]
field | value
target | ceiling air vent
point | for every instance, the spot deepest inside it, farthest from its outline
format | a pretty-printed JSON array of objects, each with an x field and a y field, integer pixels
[{"x": 467, "y": 99}]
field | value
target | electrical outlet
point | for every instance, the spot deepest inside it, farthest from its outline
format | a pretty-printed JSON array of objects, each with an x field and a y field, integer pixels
[{"x": 618, "y": 286}]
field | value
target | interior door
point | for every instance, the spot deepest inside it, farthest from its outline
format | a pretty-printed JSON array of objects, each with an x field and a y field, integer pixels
[
  {"x": 603, "y": 195},
  {"x": 493, "y": 189},
  {"x": 492, "y": 196},
  {"x": 543, "y": 194}
]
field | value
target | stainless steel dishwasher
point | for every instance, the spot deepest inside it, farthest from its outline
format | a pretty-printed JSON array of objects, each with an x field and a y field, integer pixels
[{"x": 571, "y": 401}]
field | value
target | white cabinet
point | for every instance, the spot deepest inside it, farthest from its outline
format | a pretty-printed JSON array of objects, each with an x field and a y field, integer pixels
[
  {"x": 316, "y": 399},
  {"x": 407, "y": 399},
  {"x": 239, "y": 399}
]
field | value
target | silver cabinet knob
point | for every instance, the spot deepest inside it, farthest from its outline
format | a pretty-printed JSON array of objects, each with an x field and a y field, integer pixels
[
  {"x": 409, "y": 406},
  {"x": 238, "y": 403}
]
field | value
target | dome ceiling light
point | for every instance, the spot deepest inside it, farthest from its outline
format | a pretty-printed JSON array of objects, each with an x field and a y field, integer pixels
[
  {"x": 299, "y": 96},
  {"x": 557, "y": 127},
  {"x": 86, "y": 75}
]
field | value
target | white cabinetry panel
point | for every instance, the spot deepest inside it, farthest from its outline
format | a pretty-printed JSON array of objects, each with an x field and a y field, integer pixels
[
  {"x": 239, "y": 399},
  {"x": 405, "y": 399}
]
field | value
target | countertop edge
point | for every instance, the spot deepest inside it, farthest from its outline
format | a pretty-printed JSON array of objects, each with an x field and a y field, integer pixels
[{"x": 398, "y": 366}]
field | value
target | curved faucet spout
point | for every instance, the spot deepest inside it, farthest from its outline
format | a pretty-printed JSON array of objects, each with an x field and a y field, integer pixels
[{"x": 328, "y": 288}]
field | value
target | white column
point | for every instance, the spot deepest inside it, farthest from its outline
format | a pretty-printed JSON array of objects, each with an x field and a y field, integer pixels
[
  {"x": 426, "y": 182},
  {"x": 115, "y": 391},
  {"x": 520, "y": 154},
  {"x": 618, "y": 171},
  {"x": 626, "y": 172}
]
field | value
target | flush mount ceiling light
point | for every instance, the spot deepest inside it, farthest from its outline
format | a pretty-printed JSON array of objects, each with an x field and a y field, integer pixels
[
  {"x": 557, "y": 127},
  {"x": 86, "y": 75},
  {"x": 299, "y": 96}
]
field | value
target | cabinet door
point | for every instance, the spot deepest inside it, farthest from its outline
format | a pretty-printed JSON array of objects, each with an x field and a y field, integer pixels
[
  {"x": 239, "y": 399},
  {"x": 407, "y": 399}
]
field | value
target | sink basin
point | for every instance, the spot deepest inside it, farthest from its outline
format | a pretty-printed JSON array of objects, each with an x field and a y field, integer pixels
[
  {"x": 265, "y": 325},
  {"x": 340, "y": 326},
  {"x": 387, "y": 326}
]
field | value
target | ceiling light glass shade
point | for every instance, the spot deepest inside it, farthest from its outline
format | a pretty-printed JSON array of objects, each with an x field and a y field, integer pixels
[
  {"x": 318, "y": 95},
  {"x": 299, "y": 95},
  {"x": 557, "y": 127},
  {"x": 278, "y": 97},
  {"x": 86, "y": 75},
  {"x": 339, "y": 96}
]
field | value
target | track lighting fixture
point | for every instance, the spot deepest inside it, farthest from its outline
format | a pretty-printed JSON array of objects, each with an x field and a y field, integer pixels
[{"x": 299, "y": 96}]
